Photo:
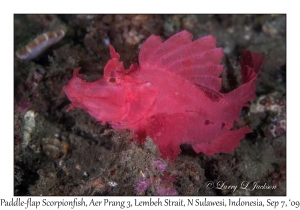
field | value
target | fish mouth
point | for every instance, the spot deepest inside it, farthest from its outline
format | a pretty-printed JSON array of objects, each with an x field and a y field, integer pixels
[{"x": 67, "y": 92}]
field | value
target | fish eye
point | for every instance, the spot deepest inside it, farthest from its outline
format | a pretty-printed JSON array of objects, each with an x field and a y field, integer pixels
[{"x": 112, "y": 79}]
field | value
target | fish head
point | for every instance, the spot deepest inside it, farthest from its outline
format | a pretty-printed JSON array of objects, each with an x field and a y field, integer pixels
[{"x": 104, "y": 99}]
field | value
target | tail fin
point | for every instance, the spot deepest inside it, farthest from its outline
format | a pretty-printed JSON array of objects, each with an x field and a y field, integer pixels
[{"x": 251, "y": 64}]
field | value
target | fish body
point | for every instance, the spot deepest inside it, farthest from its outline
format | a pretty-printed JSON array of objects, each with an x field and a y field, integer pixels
[{"x": 172, "y": 95}]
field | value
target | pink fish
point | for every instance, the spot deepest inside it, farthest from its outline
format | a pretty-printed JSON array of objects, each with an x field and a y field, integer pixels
[{"x": 172, "y": 95}]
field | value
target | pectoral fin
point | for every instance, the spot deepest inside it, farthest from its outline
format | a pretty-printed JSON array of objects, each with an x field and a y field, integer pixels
[{"x": 167, "y": 132}]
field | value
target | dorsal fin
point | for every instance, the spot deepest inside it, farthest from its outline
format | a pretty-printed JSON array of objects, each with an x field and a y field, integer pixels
[
  {"x": 212, "y": 94},
  {"x": 148, "y": 48},
  {"x": 201, "y": 70},
  {"x": 207, "y": 81},
  {"x": 170, "y": 46},
  {"x": 196, "y": 61}
]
